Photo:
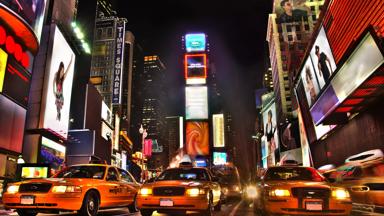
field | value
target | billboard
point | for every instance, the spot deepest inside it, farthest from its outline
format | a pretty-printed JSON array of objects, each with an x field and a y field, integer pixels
[
  {"x": 322, "y": 58},
  {"x": 195, "y": 42},
  {"x": 196, "y": 102},
  {"x": 106, "y": 113},
  {"x": 58, "y": 87},
  {"x": 118, "y": 63},
  {"x": 197, "y": 138},
  {"x": 288, "y": 11},
  {"x": 290, "y": 135},
  {"x": 219, "y": 158},
  {"x": 218, "y": 130},
  {"x": 310, "y": 82},
  {"x": 271, "y": 133},
  {"x": 195, "y": 66},
  {"x": 32, "y": 11},
  {"x": 34, "y": 172},
  {"x": 52, "y": 153}
]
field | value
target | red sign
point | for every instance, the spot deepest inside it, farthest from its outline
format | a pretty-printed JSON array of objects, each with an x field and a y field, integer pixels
[{"x": 148, "y": 147}]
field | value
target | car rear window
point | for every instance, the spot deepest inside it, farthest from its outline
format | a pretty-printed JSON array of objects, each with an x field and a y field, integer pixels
[
  {"x": 184, "y": 174},
  {"x": 95, "y": 172},
  {"x": 293, "y": 174}
]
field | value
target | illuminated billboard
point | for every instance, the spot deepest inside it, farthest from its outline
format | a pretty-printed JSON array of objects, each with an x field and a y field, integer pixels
[
  {"x": 322, "y": 59},
  {"x": 270, "y": 133},
  {"x": 218, "y": 130},
  {"x": 34, "y": 172},
  {"x": 118, "y": 62},
  {"x": 310, "y": 83},
  {"x": 58, "y": 86},
  {"x": 219, "y": 158},
  {"x": 288, "y": 11},
  {"x": 195, "y": 66},
  {"x": 197, "y": 138},
  {"x": 52, "y": 153},
  {"x": 195, "y": 42},
  {"x": 106, "y": 113},
  {"x": 196, "y": 102}
]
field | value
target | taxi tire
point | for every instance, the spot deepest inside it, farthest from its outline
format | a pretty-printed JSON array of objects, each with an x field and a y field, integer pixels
[
  {"x": 22, "y": 212},
  {"x": 133, "y": 206},
  {"x": 90, "y": 196},
  {"x": 146, "y": 212}
]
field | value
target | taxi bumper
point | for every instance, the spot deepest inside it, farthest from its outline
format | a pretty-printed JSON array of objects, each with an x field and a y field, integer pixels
[
  {"x": 292, "y": 206},
  {"x": 178, "y": 202},
  {"x": 48, "y": 201}
]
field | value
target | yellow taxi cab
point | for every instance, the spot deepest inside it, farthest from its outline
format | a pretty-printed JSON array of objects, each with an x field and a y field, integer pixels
[
  {"x": 296, "y": 190},
  {"x": 177, "y": 190},
  {"x": 83, "y": 188}
]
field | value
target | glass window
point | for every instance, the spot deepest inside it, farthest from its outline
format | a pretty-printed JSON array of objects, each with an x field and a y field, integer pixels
[
  {"x": 95, "y": 172},
  {"x": 290, "y": 38},
  {"x": 293, "y": 173},
  {"x": 112, "y": 174},
  {"x": 125, "y": 176},
  {"x": 184, "y": 174}
]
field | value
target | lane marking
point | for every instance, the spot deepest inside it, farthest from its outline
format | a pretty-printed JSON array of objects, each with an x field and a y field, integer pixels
[{"x": 234, "y": 210}]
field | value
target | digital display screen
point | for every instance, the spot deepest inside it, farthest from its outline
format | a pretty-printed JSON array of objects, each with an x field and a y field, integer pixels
[
  {"x": 195, "y": 66},
  {"x": 197, "y": 138},
  {"x": 195, "y": 42},
  {"x": 196, "y": 103},
  {"x": 219, "y": 158},
  {"x": 34, "y": 172}
]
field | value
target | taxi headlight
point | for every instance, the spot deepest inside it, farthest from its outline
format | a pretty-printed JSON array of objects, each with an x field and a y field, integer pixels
[
  {"x": 251, "y": 191},
  {"x": 195, "y": 191},
  {"x": 279, "y": 193},
  {"x": 13, "y": 189},
  {"x": 145, "y": 191},
  {"x": 236, "y": 188},
  {"x": 340, "y": 193},
  {"x": 66, "y": 189}
]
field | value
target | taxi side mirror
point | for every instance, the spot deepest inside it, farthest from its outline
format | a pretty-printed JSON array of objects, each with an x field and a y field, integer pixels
[{"x": 215, "y": 179}]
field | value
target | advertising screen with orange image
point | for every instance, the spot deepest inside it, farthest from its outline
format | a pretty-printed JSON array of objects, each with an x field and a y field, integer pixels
[{"x": 197, "y": 135}]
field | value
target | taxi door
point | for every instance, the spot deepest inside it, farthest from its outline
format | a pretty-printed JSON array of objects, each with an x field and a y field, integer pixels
[
  {"x": 215, "y": 188},
  {"x": 129, "y": 186},
  {"x": 114, "y": 188}
]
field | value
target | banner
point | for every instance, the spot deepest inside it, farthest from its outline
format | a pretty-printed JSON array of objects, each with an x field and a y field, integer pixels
[{"x": 118, "y": 62}]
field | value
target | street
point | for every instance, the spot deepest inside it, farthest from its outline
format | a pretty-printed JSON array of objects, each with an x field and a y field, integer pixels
[{"x": 232, "y": 208}]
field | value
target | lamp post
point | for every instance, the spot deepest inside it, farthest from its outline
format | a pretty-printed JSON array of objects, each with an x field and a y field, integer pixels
[{"x": 144, "y": 134}]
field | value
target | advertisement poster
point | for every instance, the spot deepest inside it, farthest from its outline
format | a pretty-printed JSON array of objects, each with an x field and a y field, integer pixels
[
  {"x": 288, "y": 11},
  {"x": 290, "y": 136},
  {"x": 322, "y": 58},
  {"x": 219, "y": 158},
  {"x": 52, "y": 153},
  {"x": 58, "y": 90},
  {"x": 310, "y": 82},
  {"x": 271, "y": 133},
  {"x": 34, "y": 172},
  {"x": 218, "y": 130},
  {"x": 197, "y": 135},
  {"x": 305, "y": 150},
  {"x": 196, "y": 103},
  {"x": 195, "y": 66},
  {"x": 195, "y": 42}
]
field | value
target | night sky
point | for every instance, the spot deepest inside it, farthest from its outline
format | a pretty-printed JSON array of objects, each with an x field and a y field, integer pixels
[{"x": 236, "y": 33}]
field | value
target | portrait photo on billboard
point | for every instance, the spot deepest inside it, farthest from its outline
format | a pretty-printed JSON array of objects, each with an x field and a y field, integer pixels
[
  {"x": 271, "y": 133},
  {"x": 288, "y": 11},
  {"x": 289, "y": 135},
  {"x": 322, "y": 58},
  {"x": 310, "y": 83},
  {"x": 58, "y": 89},
  {"x": 197, "y": 138}
]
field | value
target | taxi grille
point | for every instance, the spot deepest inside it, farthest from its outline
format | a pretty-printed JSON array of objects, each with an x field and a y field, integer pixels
[
  {"x": 168, "y": 191},
  {"x": 304, "y": 192},
  {"x": 35, "y": 187}
]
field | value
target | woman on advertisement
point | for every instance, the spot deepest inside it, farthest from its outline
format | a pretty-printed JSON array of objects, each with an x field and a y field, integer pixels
[
  {"x": 58, "y": 83},
  {"x": 270, "y": 129}
]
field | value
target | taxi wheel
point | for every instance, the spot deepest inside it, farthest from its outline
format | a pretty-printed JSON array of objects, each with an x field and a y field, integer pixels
[
  {"x": 146, "y": 212},
  {"x": 25, "y": 213},
  {"x": 133, "y": 206},
  {"x": 90, "y": 205}
]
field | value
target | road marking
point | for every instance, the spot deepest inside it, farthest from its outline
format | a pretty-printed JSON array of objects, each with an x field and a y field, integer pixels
[{"x": 234, "y": 210}]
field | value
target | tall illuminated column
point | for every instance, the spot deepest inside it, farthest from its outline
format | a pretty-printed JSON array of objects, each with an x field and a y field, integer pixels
[{"x": 196, "y": 97}]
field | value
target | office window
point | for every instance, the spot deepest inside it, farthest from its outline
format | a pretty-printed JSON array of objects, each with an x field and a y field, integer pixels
[
  {"x": 289, "y": 28},
  {"x": 290, "y": 38},
  {"x": 306, "y": 26},
  {"x": 298, "y": 36}
]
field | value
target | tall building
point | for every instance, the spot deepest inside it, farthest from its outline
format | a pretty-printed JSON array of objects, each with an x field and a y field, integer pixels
[
  {"x": 268, "y": 80},
  {"x": 175, "y": 136},
  {"x": 287, "y": 37},
  {"x": 153, "y": 109}
]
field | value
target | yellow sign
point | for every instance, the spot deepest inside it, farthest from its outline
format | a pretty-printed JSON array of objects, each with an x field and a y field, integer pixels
[
  {"x": 218, "y": 130},
  {"x": 3, "y": 66}
]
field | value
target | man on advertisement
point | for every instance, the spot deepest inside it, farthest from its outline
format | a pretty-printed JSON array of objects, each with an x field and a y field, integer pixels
[
  {"x": 323, "y": 64},
  {"x": 291, "y": 14}
]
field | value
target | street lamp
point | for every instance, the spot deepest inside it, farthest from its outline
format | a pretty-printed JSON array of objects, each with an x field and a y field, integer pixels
[{"x": 144, "y": 135}]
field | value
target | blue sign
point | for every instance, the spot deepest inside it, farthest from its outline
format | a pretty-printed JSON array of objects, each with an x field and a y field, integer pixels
[
  {"x": 118, "y": 62},
  {"x": 195, "y": 42},
  {"x": 201, "y": 163}
]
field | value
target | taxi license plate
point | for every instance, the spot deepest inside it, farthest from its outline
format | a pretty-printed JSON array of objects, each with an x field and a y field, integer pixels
[
  {"x": 314, "y": 206},
  {"x": 166, "y": 202},
  {"x": 27, "y": 200}
]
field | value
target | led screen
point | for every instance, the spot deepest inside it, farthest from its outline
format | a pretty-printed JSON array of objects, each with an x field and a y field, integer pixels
[
  {"x": 270, "y": 133},
  {"x": 34, "y": 172},
  {"x": 310, "y": 82},
  {"x": 195, "y": 66},
  {"x": 196, "y": 102},
  {"x": 219, "y": 158},
  {"x": 322, "y": 59},
  {"x": 288, "y": 11},
  {"x": 197, "y": 138},
  {"x": 195, "y": 42},
  {"x": 52, "y": 153},
  {"x": 218, "y": 130},
  {"x": 58, "y": 87}
]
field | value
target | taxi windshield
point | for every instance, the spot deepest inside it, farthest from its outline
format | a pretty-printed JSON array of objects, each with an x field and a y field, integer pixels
[
  {"x": 293, "y": 174},
  {"x": 95, "y": 172},
  {"x": 184, "y": 174}
]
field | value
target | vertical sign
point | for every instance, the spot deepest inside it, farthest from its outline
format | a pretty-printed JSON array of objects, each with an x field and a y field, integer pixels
[
  {"x": 119, "y": 56},
  {"x": 218, "y": 130}
]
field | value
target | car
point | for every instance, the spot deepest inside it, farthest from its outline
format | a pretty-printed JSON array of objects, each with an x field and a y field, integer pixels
[
  {"x": 229, "y": 180},
  {"x": 364, "y": 179},
  {"x": 181, "y": 189},
  {"x": 298, "y": 190},
  {"x": 85, "y": 188}
]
